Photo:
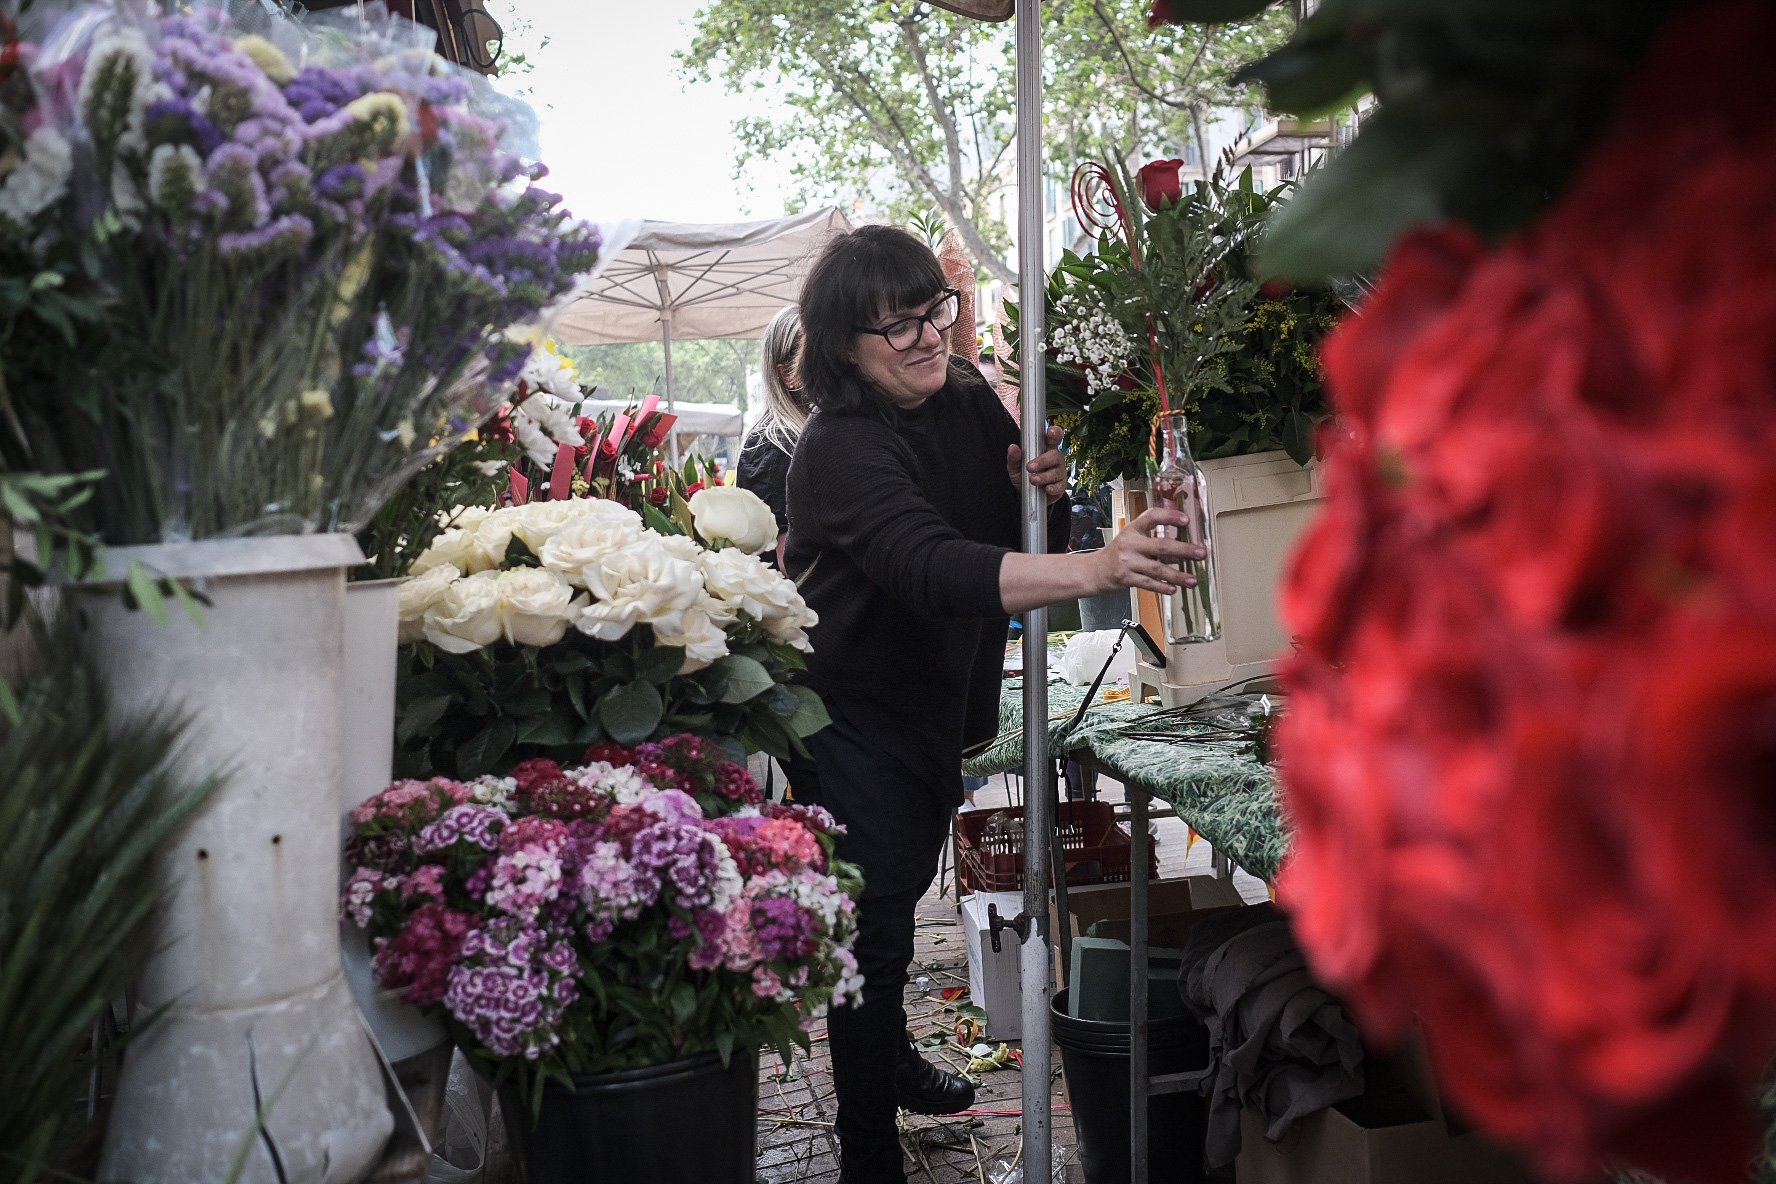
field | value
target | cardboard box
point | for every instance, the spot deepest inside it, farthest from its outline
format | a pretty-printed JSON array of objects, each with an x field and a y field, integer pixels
[
  {"x": 1395, "y": 1133},
  {"x": 1173, "y": 908},
  {"x": 995, "y": 982}
]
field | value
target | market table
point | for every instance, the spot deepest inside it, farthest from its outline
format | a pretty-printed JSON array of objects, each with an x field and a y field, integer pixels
[{"x": 1219, "y": 788}]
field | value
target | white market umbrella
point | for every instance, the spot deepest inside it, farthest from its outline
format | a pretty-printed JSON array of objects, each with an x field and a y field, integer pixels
[{"x": 696, "y": 281}]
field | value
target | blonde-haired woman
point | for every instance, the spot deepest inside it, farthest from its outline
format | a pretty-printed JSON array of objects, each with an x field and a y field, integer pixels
[{"x": 765, "y": 454}]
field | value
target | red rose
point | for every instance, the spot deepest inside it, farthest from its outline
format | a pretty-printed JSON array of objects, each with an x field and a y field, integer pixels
[
  {"x": 1159, "y": 184},
  {"x": 609, "y": 753},
  {"x": 658, "y": 497},
  {"x": 1275, "y": 289},
  {"x": 690, "y": 489}
]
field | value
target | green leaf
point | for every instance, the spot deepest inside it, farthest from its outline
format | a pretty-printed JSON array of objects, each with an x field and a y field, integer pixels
[
  {"x": 482, "y": 753},
  {"x": 631, "y": 712},
  {"x": 1311, "y": 79},
  {"x": 147, "y": 592},
  {"x": 1344, "y": 218},
  {"x": 657, "y": 521},
  {"x": 550, "y": 731},
  {"x": 811, "y": 714},
  {"x": 420, "y": 716},
  {"x": 747, "y": 678},
  {"x": 659, "y": 664}
]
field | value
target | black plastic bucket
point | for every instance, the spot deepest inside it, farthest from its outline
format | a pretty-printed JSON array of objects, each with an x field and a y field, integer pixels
[
  {"x": 1095, "y": 1058},
  {"x": 689, "y": 1120}
]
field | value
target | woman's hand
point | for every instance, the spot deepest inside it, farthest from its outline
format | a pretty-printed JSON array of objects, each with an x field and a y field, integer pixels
[
  {"x": 1135, "y": 559},
  {"x": 1048, "y": 471}
]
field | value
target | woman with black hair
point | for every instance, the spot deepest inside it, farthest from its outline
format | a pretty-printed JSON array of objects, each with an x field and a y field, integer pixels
[{"x": 904, "y": 513}]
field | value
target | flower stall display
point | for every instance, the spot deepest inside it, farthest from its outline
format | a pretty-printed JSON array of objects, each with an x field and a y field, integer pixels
[
  {"x": 304, "y": 277},
  {"x": 1528, "y": 760},
  {"x": 536, "y": 629},
  {"x": 284, "y": 268},
  {"x": 1169, "y": 298},
  {"x": 638, "y": 909}
]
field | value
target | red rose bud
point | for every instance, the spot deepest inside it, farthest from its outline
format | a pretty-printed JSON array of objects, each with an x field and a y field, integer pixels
[
  {"x": 1275, "y": 289},
  {"x": 1165, "y": 12},
  {"x": 1160, "y": 186},
  {"x": 690, "y": 489},
  {"x": 658, "y": 496}
]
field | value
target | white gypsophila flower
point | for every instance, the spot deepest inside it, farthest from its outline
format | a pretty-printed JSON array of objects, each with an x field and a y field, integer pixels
[
  {"x": 535, "y": 606},
  {"x": 465, "y": 617},
  {"x": 1087, "y": 336},
  {"x": 489, "y": 468},
  {"x": 638, "y": 584},
  {"x": 703, "y": 638},
  {"x": 40, "y": 179},
  {"x": 597, "y": 528},
  {"x": 729, "y": 515},
  {"x": 175, "y": 178},
  {"x": 419, "y": 593}
]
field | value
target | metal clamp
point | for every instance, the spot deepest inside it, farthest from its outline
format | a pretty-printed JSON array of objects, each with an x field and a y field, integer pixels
[{"x": 995, "y": 923}]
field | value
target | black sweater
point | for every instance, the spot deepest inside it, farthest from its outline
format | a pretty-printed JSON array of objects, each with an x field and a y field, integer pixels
[{"x": 898, "y": 523}]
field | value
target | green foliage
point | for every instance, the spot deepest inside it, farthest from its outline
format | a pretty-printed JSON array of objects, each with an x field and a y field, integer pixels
[
  {"x": 87, "y": 801},
  {"x": 463, "y": 715},
  {"x": 1240, "y": 361},
  {"x": 1486, "y": 106},
  {"x": 471, "y": 474},
  {"x": 914, "y": 106}
]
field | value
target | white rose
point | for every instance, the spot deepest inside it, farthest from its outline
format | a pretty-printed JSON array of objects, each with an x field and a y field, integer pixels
[
  {"x": 639, "y": 584},
  {"x": 535, "y": 606},
  {"x": 419, "y": 593},
  {"x": 702, "y": 637},
  {"x": 747, "y": 584},
  {"x": 729, "y": 515},
  {"x": 466, "y": 616},
  {"x": 476, "y": 543},
  {"x": 792, "y": 630},
  {"x": 597, "y": 528},
  {"x": 537, "y": 522}
]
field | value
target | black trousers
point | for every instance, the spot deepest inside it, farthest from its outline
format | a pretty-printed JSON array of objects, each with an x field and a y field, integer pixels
[{"x": 896, "y": 831}]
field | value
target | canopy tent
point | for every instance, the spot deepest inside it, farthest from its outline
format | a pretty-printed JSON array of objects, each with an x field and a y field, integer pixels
[{"x": 693, "y": 281}]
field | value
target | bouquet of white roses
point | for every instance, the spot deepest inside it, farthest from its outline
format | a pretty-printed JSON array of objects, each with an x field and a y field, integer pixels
[{"x": 535, "y": 630}]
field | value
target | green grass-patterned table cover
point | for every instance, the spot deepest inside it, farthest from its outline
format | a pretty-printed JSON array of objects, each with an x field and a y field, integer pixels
[{"x": 1218, "y": 787}]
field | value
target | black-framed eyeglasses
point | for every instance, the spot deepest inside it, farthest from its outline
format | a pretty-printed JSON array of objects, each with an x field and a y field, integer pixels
[{"x": 905, "y": 333}]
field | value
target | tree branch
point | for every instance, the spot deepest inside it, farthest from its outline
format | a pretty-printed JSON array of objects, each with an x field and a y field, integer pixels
[
  {"x": 1129, "y": 63},
  {"x": 945, "y": 119}
]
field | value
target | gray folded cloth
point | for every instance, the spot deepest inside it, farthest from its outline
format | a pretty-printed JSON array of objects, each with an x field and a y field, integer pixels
[{"x": 1281, "y": 1045}]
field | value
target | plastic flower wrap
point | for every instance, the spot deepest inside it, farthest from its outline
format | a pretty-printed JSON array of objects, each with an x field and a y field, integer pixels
[
  {"x": 537, "y": 629},
  {"x": 308, "y": 252},
  {"x": 541, "y": 911}
]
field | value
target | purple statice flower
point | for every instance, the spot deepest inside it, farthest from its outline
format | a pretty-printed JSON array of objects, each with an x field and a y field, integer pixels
[
  {"x": 176, "y": 121},
  {"x": 281, "y": 238},
  {"x": 785, "y": 930},
  {"x": 341, "y": 182},
  {"x": 233, "y": 172},
  {"x": 468, "y": 823},
  {"x": 316, "y": 93}
]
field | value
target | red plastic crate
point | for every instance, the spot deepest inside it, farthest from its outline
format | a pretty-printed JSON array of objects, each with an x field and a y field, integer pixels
[{"x": 1097, "y": 850}]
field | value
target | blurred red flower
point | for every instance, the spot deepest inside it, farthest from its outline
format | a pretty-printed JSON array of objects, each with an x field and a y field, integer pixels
[{"x": 1530, "y": 756}]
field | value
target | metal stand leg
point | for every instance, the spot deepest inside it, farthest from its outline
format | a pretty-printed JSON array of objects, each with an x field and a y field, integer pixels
[{"x": 1138, "y": 970}]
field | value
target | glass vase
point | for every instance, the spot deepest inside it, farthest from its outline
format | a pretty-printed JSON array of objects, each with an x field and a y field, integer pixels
[{"x": 1192, "y": 614}]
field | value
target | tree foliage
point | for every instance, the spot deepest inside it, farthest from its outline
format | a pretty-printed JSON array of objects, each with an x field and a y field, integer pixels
[
  {"x": 913, "y": 106},
  {"x": 702, "y": 371}
]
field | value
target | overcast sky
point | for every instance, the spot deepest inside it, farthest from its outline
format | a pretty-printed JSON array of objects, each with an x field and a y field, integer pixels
[{"x": 623, "y": 135}]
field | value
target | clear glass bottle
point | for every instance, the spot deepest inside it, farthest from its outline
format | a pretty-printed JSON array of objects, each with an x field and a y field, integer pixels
[{"x": 1192, "y": 614}]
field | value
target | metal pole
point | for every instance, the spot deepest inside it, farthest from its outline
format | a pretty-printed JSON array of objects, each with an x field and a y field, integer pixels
[
  {"x": 671, "y": 399},
  {"x": 1032, "y": 283},
  {"x": 1140, "y": 1087}
]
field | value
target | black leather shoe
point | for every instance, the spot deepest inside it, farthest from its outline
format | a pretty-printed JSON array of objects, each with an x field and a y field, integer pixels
[{"x": 923, "y": 1088}]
